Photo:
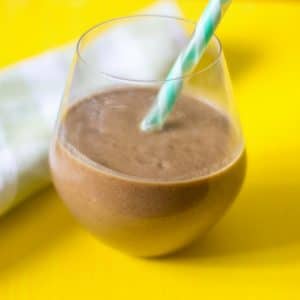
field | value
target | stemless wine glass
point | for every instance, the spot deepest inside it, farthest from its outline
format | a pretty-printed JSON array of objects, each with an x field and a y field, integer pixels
[{"x": 142, "y": 215}]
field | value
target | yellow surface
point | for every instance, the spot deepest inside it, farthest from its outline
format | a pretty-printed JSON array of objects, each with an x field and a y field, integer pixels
[{"x": 253, "y": 253}]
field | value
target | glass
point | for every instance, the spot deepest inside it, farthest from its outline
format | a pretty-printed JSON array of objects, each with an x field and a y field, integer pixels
[{"x": 144, "y": 215}]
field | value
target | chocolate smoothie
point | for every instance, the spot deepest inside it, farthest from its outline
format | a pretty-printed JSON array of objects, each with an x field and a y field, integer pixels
[{"x": 146, "y": 193}]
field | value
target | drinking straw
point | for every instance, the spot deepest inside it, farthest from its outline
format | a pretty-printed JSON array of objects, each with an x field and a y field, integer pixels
[{"x": 185, "y": 63}]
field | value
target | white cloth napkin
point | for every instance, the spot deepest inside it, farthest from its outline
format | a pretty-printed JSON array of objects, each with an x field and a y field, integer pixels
[{"x": 30, "y": 93}]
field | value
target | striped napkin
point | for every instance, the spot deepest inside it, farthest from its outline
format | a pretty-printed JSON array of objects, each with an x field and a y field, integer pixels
[{"x": 30, "y": 93}]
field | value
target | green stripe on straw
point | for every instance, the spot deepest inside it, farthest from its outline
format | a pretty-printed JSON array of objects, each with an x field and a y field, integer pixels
[{"x": 186, "y": 62}]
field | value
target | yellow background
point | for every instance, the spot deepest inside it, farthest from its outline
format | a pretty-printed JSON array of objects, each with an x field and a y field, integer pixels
[{"x": 253, "y": 253}]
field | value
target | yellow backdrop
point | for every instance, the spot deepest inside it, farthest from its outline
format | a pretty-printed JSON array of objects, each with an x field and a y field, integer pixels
[{"x": 253, "y": 253}]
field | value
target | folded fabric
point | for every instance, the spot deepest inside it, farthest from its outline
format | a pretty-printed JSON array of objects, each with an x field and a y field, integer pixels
[{"x": 30, "y": 93}]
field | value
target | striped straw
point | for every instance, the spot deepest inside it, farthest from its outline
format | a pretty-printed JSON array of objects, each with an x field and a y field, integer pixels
[{"x": 185, "y": 63}]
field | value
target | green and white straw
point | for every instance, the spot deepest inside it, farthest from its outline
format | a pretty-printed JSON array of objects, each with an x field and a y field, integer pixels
[{"x": 187, "y": 60}]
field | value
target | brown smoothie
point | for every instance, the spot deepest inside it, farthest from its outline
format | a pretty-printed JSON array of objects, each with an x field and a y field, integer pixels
[{"x": 146, "y": 193}]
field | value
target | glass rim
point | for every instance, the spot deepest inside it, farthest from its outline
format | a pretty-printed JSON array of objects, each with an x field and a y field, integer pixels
[{"x": 123, "y": 79}]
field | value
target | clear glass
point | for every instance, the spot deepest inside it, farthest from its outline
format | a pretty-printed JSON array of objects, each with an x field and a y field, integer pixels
[{"x": 138, "y": 213}]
